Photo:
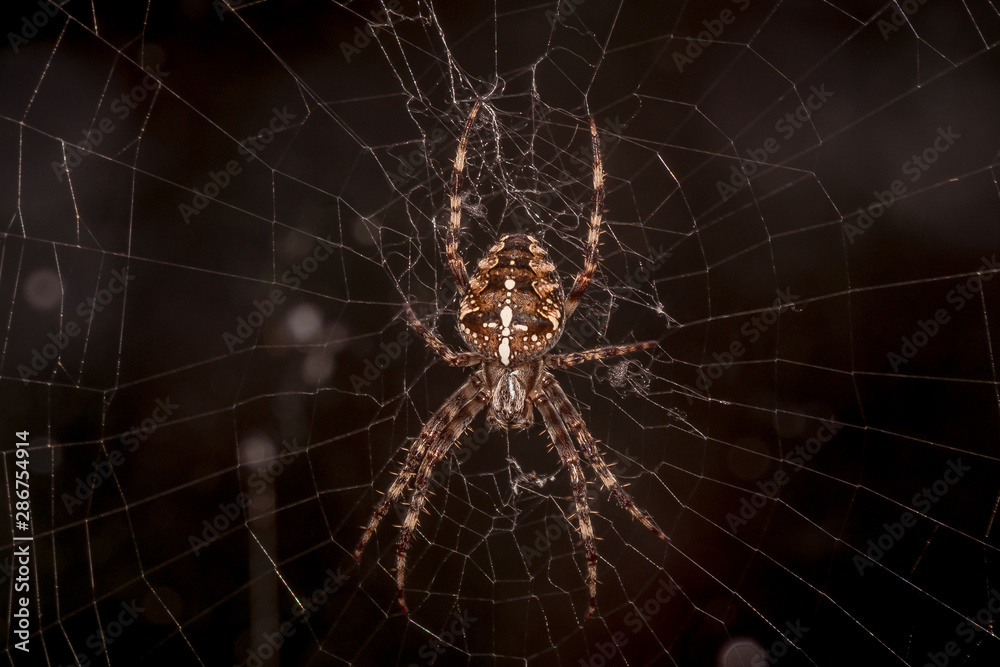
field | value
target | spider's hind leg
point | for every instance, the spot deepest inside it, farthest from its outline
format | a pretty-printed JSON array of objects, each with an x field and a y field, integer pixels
[
  {"x": 588, "y": 446},
  {"x": 435, "y": 439},
  {"x": 551, "y": 414}
]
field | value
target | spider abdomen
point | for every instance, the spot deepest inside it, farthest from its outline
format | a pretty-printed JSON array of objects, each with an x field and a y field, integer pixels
[{"x": 513, "y": 311}]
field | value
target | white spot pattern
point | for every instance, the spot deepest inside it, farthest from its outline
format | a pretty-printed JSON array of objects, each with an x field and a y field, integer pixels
[{"x": 504, "y": 350}]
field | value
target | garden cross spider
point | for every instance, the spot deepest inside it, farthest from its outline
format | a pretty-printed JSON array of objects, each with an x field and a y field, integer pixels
[{"x": 511, "y": 314}]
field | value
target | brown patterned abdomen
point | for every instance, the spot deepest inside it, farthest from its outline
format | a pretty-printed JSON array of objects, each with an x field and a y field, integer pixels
[{"x": 513, "y": 311}]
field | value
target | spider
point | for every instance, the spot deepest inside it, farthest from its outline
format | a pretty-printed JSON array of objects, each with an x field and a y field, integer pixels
[{"x": 511, "y": 314}]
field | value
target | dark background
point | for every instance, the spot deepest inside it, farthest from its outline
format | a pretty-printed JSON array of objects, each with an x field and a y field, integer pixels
[{"x": 359, "y": 169}]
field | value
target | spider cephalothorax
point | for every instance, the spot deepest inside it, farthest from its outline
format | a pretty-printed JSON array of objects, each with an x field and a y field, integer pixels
[{"x": 511, "y": 314}]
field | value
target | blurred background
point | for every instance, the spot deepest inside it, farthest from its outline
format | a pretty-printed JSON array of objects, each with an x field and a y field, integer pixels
[{"x": 215, "y": 212}]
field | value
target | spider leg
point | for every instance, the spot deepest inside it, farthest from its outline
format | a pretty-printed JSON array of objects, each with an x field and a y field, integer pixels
[
  {"x": 455, "y": 224},
  {"x": 551, "y": 414},
  {"x": 593, "y": 236},
  {"x": 431, "y": 432},
  {"x": 450, "y": 357},
  {"x": 588, "y": 446},
  {"x": 573, "y": 358},
  {"x": 436, "y": 437},
  {"x": 460, "y": 416}
]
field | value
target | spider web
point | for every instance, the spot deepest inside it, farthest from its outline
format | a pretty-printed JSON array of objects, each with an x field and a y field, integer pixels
[{"x": 216, "y": 212}]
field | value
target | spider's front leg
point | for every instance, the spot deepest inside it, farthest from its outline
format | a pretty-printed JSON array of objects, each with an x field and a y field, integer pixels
[
  {"x": 596, "y": 354},
  {"x": 449, "y": 356},
  {"x": 594, "y": 232},
  {"x": 455, "y": 222},
  {"x": 437, "y": 436}
]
